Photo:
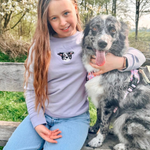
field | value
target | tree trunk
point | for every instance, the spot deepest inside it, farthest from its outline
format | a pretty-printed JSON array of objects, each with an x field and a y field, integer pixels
[
  {"x": 137, "y": 18},
  {"x": 114, "y": 7},
  {"x": 1, "y": 31},
  {"x": 106, "y": 6}
]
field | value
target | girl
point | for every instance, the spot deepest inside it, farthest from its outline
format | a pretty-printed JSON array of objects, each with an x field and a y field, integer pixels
[{"x": 55, "y": 77}]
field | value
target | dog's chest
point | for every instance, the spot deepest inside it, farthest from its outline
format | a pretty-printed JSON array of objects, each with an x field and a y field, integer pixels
[
  {"x": 111, "y": 85},
  {"x": 94, "y": 89},
  {"x": 115, "y": 84}
]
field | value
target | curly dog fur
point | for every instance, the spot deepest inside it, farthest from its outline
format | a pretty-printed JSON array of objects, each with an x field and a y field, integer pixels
[{"x": 105, "y": 34}]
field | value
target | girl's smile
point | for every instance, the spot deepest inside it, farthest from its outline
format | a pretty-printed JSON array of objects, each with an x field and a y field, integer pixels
[{"x": 64, "y": 19}]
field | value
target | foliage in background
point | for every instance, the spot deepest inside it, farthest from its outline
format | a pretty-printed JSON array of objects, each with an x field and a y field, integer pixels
[
  {"x": 12, "y": 47},
  {"x": 18, "y": 15}
]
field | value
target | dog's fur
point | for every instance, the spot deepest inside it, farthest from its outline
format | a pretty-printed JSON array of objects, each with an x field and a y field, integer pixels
[{"x": 132, "y": 119}]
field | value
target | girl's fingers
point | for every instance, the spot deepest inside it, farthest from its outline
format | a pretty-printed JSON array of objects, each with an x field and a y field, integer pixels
[
  {"x": 95, "y": 66},
  {"x": 93, "y": 57},
  {"x": 56, "y": 133},
  {"x": 55, "y": 137},
  {"x": 50, "y": 140},
  {"x": 98, "y": 73}
]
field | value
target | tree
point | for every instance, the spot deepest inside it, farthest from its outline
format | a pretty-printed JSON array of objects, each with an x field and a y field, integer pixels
[
  {"x": 0, "y": 18},
  {"x": 137, "y": 17},
  {"x": 141, "y": 7},
  {"x": 114, "y": 3},
  {"x": 14, "y": 9},
  {"x": 91, "y": 8}
]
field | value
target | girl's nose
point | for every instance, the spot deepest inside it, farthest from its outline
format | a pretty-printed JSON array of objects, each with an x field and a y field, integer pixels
[{"x": 62, "y": 21}]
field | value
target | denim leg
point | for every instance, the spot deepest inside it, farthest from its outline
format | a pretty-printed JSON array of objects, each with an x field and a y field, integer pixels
[
  {"x": 25, "y": 138},
  {"x": 74, "y": 132}
]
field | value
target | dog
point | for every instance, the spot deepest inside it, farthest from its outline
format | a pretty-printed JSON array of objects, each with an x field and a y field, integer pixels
[{"x": 113, "y": 93}]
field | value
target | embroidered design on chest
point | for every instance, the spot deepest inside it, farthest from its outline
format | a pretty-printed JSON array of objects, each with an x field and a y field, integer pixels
[{"x": 66, "y": 56}]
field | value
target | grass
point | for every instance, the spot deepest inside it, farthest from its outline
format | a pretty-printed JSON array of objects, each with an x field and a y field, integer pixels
[
  {"x": 142, "y": 43},
  {"x": 12, "y": 106},
  {"x": 7, "y": 58}
]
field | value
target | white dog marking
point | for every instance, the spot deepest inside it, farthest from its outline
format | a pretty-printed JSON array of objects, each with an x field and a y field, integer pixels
[
  {"x": 94, "y": 90},
  {"x": 120, "y": 146},
  {"x": 97, "y": 141}
]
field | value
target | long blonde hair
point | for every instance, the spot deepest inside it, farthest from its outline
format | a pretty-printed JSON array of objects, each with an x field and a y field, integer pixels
[{"x": 41, "y": 49}]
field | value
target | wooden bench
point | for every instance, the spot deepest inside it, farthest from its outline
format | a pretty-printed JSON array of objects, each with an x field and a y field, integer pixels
[{"x": 11, "y": 79}]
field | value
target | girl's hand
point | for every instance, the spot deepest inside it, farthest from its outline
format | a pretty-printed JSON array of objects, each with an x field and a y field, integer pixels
[
  {"x": 112, "y": 62},
  {"x": 48, "y": 135}
]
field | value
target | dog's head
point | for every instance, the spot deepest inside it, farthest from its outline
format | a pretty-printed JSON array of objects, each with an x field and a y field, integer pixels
[{"x": 105, "y": 34}]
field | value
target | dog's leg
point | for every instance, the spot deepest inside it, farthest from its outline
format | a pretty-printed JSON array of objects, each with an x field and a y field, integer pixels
[
  {"x": 106, "y": 113},
  {"x": 104, "y": 126},
  {"x": 95, "y": 128}
]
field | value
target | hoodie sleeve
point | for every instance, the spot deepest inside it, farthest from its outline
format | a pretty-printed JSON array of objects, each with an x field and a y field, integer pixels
[
  {"x": 135, "y": 59},
  {"x": 36, "y": 117}
]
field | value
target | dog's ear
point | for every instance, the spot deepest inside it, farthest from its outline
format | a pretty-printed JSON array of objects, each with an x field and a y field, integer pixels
[
  {"x": 123, "y": 34},
  {"x": 60, "y": 54},
  {"x": 86, "y": 31},
  {"x": 70, "y": 53}
]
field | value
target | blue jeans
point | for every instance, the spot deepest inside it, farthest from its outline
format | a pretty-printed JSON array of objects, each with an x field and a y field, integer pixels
[{"x": 74, "y": 132}]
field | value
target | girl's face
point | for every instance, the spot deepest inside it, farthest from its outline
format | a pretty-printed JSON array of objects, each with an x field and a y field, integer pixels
[{"x": 62, "y": 17}]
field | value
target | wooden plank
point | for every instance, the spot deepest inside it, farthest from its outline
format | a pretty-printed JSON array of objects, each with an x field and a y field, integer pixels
[
  {"x": 6, "y": 130},
  {"x": 11, "y": 76}
]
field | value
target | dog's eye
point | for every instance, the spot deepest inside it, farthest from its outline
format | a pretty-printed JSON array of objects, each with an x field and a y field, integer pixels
[
  {"x": 112, "y": 30},
  {"x": 94, "y": 29}
]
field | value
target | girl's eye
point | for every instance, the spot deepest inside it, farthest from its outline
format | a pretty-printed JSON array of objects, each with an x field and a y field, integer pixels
[
  {"x": 54, "y": 18},
  {"x": 66, "y": 13}
]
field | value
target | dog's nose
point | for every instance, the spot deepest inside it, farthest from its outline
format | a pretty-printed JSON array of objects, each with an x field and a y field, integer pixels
[{"x": 102, "y": 44}]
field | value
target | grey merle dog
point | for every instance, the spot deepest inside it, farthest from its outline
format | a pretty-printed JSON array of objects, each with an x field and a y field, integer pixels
[{"x": 110, "y": 91}]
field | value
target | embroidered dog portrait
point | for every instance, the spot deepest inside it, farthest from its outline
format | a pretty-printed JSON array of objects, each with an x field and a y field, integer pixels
[{"x": 66, "y": 56}]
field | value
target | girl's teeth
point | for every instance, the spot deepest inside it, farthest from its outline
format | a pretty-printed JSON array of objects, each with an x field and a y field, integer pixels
[{"x": 66, "y": 28}]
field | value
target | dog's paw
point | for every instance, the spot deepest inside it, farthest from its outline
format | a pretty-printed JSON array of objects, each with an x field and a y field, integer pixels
[
  {"x": 97, "y": 141},
  {"x": 120, "y": 146}
]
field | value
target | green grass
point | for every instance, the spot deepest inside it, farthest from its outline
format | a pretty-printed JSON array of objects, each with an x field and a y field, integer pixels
[
  {"x": 142, "y": 43},
  {"x": 7, "y": 58},
  {"x": 93, "y": 112},
  {"x": 12, "y": 106}
]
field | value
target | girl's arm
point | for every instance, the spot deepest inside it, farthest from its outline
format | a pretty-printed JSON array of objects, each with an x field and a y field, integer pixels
[
  {"x": 37, "y": 118},
  {"x": 131, "y": 60}
]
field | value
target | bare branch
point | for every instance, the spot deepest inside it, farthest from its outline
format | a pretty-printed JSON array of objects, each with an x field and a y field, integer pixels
[{"x": 16, "y": 22}]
